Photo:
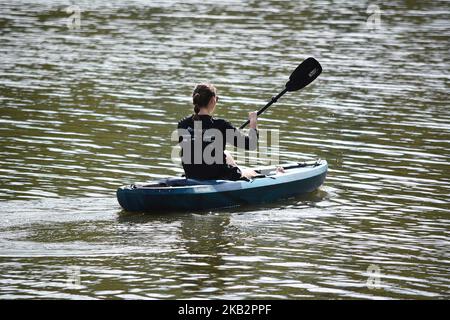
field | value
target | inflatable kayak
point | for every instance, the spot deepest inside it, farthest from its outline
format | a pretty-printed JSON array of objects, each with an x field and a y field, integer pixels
[{"x": 181, "y": 194}]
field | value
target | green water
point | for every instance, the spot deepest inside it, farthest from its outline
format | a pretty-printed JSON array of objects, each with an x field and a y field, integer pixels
[{"x": 86, "y": 109}]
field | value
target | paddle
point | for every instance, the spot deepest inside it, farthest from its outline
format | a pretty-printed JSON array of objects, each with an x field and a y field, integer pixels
[{"x": 305, "y": 73}]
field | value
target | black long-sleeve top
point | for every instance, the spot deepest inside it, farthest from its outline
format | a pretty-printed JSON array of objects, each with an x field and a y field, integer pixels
[{"x": 230, "y": 134}]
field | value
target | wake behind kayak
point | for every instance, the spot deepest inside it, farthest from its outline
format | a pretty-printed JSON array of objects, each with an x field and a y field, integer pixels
[{"x": 180, "y": 194}]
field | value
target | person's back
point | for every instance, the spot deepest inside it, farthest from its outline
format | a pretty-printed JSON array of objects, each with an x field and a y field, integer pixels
[{"x": 203, "y": 139}]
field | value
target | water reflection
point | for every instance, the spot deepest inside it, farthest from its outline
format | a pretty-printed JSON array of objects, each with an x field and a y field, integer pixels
[{"x": 85, "y": 111}]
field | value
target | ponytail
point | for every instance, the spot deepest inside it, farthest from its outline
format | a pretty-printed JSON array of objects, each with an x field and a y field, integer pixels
[
  {"x": 201, "y": 96},
  {"x": 196, "y": 101}
]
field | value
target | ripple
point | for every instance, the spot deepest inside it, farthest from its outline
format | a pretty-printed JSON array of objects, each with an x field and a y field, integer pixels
[{"x": 85, "y": 111}]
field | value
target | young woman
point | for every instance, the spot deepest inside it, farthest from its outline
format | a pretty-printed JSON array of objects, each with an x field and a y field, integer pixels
[{"x": 205, "y": 99}]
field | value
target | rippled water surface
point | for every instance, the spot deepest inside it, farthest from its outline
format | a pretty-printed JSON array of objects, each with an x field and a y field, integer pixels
[{"x": 86, "y": 109}]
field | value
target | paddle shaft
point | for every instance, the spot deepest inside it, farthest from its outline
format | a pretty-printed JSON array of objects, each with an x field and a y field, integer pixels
[
  {"x": 303, "y": 75},
  {"x": 274, "y": 99}
]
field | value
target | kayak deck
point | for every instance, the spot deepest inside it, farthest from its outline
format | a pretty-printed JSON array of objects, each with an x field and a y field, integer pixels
[{"x": 180, "y": 194}]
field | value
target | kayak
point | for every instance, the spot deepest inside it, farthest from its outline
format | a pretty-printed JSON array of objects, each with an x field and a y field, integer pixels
[{"x": 181, "y": 194}]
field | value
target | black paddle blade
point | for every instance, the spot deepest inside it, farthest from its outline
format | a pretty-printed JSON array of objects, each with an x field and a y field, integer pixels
[{"x": 305, "y": 73}]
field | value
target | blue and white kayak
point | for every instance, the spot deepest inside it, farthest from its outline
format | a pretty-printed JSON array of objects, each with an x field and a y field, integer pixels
[{"x": 180, "y": 194}]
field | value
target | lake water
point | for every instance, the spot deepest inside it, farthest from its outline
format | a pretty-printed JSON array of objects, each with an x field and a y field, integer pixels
[{"x": 88, "y": 105}]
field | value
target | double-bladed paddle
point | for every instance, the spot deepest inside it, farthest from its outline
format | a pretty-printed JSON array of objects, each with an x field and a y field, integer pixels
[{"x": 303, "y": 75}]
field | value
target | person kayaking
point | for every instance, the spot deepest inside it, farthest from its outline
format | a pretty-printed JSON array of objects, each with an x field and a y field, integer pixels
[{"x": 203, "y": 126}]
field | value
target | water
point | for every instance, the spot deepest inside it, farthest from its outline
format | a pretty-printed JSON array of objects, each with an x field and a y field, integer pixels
[{"x": 85, "y": 110}]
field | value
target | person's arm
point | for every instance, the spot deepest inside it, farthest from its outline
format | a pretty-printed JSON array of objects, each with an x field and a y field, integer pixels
[
  {"x": 235, "y": 137},
  {"x": 253, "y": 117}
]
